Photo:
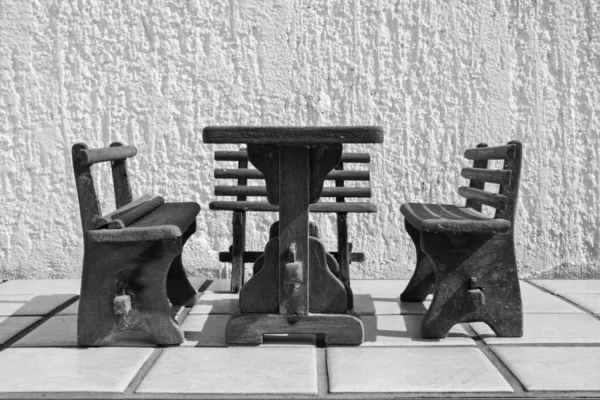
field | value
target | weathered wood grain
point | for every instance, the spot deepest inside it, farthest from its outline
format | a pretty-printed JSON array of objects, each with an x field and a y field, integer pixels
[
  {"x": 101, "y": 222},
  {"x": 323, "y": 207},
  {"x": 339, "y": 329},
  {"x": 93, "y": 156},
  {"x": 491, "y": 153},
  {"x": 499, "y": 176},
  {"x": 225, "y": 173},
  {"x": 120, "y": 175},
  {"x": 481, "y": 196},
  {"x": 223, "y": 155},
  {"x": 261, "y": 191},
  {"x": 475, "y": 183},
  {"x": 133, "y": 214},
  {"x": 467, "y": 259},
  {"x": 292, "y": 135}
]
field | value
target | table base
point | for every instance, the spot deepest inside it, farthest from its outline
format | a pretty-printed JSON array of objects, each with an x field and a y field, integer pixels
[{"x": 339, "y": 329}]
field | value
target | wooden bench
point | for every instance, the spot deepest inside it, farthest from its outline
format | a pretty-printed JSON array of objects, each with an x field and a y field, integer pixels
[
  {"x": 132, "y": 256},
  {"x": 467, "y": 259},
  {"x": 237, "y": 254}
]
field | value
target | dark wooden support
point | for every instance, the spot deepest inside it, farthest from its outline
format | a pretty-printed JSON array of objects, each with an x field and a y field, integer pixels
[
  {"x": 476, "y": 280},
  {"x": 423, "y": 279},
  {"x": 132, "y": 256},
  {"x": 239, "y": 237},
  {"x": 137, "y": 270},
  {"x": 344, "y": 250},
  {"x": 294, "y": 187},
  {"x": 476, "y": 184},
  {"x": 296, "y": 286}
]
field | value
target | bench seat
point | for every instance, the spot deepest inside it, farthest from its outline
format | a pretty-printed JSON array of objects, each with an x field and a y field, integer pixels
[
  {"x": 321, "y": 207},
  {"x": 450, "y": 218}
]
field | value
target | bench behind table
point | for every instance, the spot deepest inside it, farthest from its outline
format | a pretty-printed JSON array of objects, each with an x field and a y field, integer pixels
[{"x": 237, "y": 253}]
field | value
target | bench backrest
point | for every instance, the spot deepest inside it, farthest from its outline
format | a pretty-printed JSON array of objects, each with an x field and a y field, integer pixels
[
  {"x": 505, "y": 201},
  {"x": 83, "y": 159},
  {"x": 242, "y": 174}
]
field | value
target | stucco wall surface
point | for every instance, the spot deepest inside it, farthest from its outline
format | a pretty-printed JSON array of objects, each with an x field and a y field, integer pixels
[{"x": 438, "y": 76}]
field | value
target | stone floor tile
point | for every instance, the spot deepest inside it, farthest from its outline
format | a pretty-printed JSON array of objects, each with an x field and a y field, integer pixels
[
  {"x": 61, "y": 331},
  {"x": 553, "y": 368},
  {"x": 365, "y": 304},
  {"x": 589, "y": 301},
  {"x": 569, "y": 285},
  {"x": 197, "y": 282},
  {"x": 69, "y": 369},
  {"x": 10, "y": 326},
  {"x": 401, "y": 369},
  {"x": 216, "y": 303},
  {"x": 548, "y": 329},
  {"x": 58, "y": 331},
  {"x": 389, "y": 288},
  {"x": 546, "y": 303},
  {"x": 205, "y": 330},
  {"x": 208, "y": 330},
  {"x": 219, "y": 286},
  {"x": 233, "y": 370},
  {"x": 41, "y": 286},
  {"x": 31, "y": 304},
  {"x": 404, "y": 330}
]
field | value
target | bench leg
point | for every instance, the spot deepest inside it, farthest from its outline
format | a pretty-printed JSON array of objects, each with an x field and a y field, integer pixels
[
  {"x": 476, "y": 280},
  {"x": 237, "y": 251},
  {"x": 135, "y": 272},
  {"x": 179, "y": 289},
  {"x": 423, "y": 279},
  {"x": 344, "y": 250}
]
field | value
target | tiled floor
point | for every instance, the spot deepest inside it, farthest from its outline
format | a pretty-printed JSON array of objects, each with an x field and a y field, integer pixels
[{"x": 558, "y": 355}]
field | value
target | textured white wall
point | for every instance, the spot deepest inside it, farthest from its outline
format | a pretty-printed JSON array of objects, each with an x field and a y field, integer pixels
[{"x": 438, "y": 76}]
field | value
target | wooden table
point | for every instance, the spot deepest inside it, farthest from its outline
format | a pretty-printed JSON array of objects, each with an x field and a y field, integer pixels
[{"x": 295, "y": 292}]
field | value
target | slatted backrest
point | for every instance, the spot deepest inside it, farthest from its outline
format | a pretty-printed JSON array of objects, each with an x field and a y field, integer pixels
[
  {"x": 508, "y": 178},
  {"x": 243, "y": 173},
  {"x": 83, "y": 159}
]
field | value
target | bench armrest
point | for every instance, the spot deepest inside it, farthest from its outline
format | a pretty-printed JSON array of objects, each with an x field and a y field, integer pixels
[{"x": 134, "y": 234}]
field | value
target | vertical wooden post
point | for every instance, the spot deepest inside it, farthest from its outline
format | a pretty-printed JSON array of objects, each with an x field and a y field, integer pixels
[
  {"x": 121, "y": 180},
  {"x": 89, "y": 206},
  {"x": 294, "y": 186},
  {"x": 239, "y": 239},
  {"x": 475, "y": 183},
  {"x": 342, "y": 231}
]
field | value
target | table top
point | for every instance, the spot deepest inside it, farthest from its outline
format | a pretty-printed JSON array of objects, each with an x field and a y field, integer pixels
[{"x": 292, "y": 134}]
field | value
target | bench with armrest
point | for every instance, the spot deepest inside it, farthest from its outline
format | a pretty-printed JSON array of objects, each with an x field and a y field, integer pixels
[
  {"x": 465, "y": 258},
  {"x": 132, "y": 256},
  {"x": 237, "y": 253}
]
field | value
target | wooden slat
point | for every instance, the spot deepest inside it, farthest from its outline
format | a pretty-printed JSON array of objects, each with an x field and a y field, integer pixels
[
  {"x": 293, "y": 135},
  {"x": 224, "y": 173},
  {"x": 499, "y": 176},
  {"x": 491, "y": 153},
  {"x": 92, "y": 156},
  {"x": 252, "y": 256},
  {"x": 263, "y": 206},
  {"x": 262, "y": 191},
  {"x": 483, "y": 197},
  {"x": 361, "y": 158}
]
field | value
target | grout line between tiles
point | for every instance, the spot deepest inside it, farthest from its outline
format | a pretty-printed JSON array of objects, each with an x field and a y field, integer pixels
[
  {"x": 141, "y": 374},
  {"x": 585, "y": 310},
  {"x": 24, "y": 332},
  {"x": 506, "y": 373},
  {"x": 322, "y": 372}
]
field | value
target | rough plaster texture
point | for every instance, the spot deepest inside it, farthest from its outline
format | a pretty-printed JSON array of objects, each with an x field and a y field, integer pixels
[{"x": 439, "y": 76}]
